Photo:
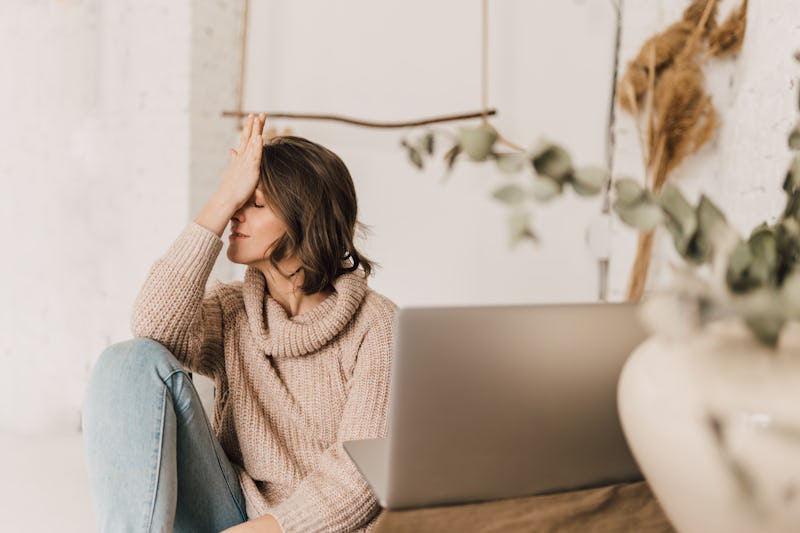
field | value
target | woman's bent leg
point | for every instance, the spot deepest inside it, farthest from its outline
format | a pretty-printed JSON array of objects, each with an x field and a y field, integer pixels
[{"x": 154, "y": 463}]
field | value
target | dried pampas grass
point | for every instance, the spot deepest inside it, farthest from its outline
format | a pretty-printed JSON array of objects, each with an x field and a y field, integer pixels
[
  {"x": 695, "y": 14},
  {"x": 666, "y": 82},
  {"x": 728, "y": 38},
  {"x": 683, "y": 119},
  {"x": 666, "y": 46}
]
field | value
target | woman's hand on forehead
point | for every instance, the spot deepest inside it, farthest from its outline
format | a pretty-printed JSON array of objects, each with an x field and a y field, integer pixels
[{"x": 240, "y": 178}]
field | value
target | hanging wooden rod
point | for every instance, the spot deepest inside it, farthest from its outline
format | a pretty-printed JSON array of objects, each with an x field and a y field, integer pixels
[{"x": 356, "y": 122}]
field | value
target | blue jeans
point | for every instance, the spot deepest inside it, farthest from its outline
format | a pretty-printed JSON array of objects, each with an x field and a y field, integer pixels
[{"x": 154, "y": 463}]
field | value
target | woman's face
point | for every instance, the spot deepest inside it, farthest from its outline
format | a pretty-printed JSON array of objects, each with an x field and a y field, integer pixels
[{"x": 254, "y": 229}]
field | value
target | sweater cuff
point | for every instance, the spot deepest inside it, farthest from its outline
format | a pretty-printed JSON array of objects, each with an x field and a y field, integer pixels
[
  {"x": 293, "y": 520},
  {"x": 194, "y": 252}
]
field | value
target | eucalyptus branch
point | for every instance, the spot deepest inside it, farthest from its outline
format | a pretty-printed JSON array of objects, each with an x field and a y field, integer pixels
[{"x": 761, "y": 281}]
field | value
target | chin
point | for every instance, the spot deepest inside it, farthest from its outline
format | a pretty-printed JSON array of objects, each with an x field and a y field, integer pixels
[
  {"x": 236, "y": 258},
  {"x": 241, "y": 259}
]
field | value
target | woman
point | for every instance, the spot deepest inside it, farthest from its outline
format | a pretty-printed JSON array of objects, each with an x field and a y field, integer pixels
[{"x": 299, "y": 353}]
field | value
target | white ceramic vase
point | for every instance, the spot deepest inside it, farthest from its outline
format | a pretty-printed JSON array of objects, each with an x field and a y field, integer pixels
[{"x": 714, "y": 422}]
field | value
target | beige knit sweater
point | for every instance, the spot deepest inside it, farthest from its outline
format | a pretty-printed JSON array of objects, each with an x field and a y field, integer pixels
[{"x": 289, "y": 390}]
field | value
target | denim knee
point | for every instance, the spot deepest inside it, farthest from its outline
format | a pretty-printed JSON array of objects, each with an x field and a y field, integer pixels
[
  {"x": 132, "y": 360},
  {"x": 140, "y": 352}
]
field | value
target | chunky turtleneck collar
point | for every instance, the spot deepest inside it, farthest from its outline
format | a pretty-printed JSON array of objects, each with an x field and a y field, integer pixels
[{"x": 282, "y": 336}]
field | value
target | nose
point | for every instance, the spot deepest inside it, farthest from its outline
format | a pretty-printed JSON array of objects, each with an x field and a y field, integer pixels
[{"x": 238, "y": 215}]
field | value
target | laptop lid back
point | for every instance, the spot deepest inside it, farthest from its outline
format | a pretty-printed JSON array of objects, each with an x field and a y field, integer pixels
[{"x": 500, "y": 402}]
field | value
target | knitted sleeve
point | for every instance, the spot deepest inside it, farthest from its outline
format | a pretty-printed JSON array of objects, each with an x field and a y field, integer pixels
[
  {"x": 172, "y": 307},
  {"x": 335, "y": 497}
]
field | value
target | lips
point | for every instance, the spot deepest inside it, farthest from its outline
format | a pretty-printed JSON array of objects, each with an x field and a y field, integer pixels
[{"x": 236, "y": 235}]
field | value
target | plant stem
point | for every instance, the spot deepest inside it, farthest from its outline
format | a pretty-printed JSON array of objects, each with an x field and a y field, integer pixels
[{"x": 508, "y": 143}]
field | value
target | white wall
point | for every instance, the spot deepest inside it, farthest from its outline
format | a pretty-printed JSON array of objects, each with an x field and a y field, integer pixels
[
  {"x": 446, "y": 243},
  {"x": 94, "y": 142},
  {"x": 110, "y": 139},
  {"x": 113, "y": 115}
]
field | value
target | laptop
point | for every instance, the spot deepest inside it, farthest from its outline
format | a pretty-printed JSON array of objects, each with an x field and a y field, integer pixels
[{"x": 497, "y": 402}]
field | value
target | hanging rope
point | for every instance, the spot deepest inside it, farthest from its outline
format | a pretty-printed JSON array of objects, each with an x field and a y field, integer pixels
[
  {"x": 242, "y": 55},
  {"x": 484, "y": 59}
]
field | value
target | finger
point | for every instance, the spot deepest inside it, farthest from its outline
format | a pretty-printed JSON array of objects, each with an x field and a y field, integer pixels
[
  {"x": 248, "y": 125},
  {"x": 258, "y": 125},
  {"x": 245, "y": 131},
  {"x": 255, "y": 146},
  {"x": 248, "y": 140},
  {"x": 247, "y": 128},
  {"x": 232, "y": 152},
  {"x": 263, "y": 117}
]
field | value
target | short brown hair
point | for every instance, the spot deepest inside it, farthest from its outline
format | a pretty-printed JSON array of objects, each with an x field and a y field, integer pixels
[{"x": 311, "y": 190}]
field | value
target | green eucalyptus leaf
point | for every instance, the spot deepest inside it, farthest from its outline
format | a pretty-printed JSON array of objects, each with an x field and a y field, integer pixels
[
  {"x": 759, "y": 230},
  {"x": 709, "y": 216},
  {"x": 794, "y": 138},
  {"x": 699, "y": 249},
  {"x": 792, "y": 176},
  {"x": 792, "y": 187},
  {"x": 519, "y": 227},
  {"x": 545, "y": 189},
  {"x": 427, "y": 143},
  {"x": 582, "y": 190},
  {"x": 511, "y": 163},
  {"x": 791, "y": 294},
  {"x": 589, "y": 181},
  {"x": 681, "y": 220},
  {"x": 792, "y": 209},
  {"x": 787, "y": 233},
  {"x": 552, "y": 161},
  {"x": 541, "y": 147},
  {"x": 477, "y": 142},
  {"x": 709, "y": 220},
  {"x": 451, "y": 156},
  {"x": 416, "y": 158},
  {"x": 738, "y": 267},
  {"x": 764, "y": 248},
  {"x": 797, "y": 58},
  {"x": 413, "y": 154},
  {"x": 787, "y": 230},
  {"x": 643, "y": 216},
  {"x": 629, "y": 191},
  {"x": 759, "y": 273},
  {"x": 510, "y": 194},
  {"x": 766, "y": 328}
]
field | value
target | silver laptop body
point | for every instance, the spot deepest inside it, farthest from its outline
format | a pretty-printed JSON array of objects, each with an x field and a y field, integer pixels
[{"x": 502, "y": 402}]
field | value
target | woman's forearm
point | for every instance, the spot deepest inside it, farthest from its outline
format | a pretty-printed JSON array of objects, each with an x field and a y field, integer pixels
[{"x": 171, "y": 307}]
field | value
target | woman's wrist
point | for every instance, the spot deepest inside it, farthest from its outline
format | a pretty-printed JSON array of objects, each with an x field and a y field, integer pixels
[{"x": 217, "y": 212}]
